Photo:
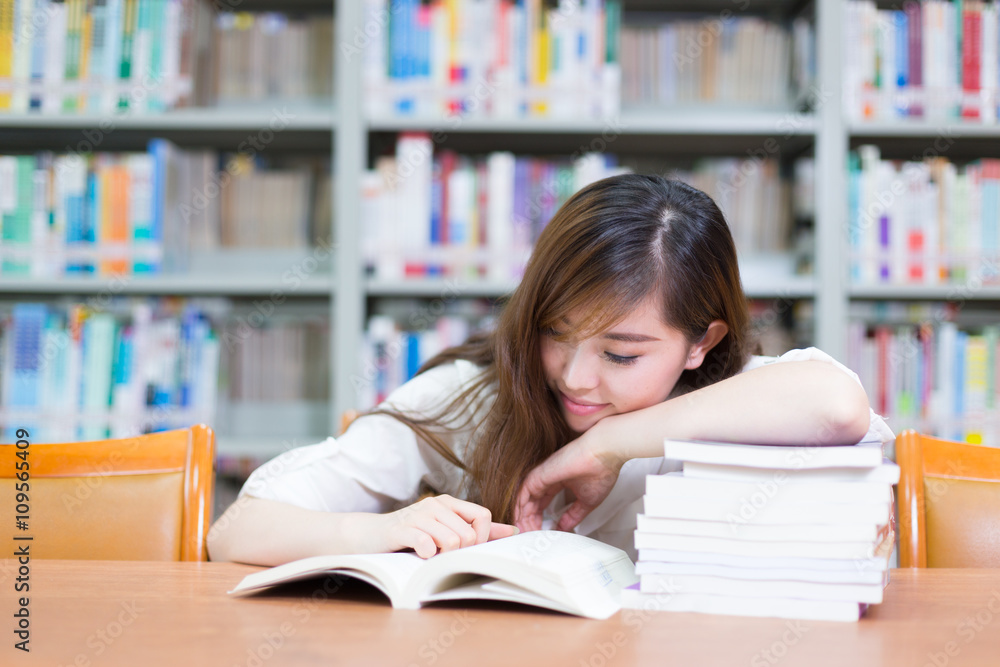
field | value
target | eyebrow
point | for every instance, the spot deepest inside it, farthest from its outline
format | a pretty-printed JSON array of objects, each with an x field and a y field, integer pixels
[
  {"x": 622, "y": 337},
  {"x": 629, "y": 337}
]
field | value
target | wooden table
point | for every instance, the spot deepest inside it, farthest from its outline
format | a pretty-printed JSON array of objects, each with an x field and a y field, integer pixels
[{"x": 178, "y": 614}]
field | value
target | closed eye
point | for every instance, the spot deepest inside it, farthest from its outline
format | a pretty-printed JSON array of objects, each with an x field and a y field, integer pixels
[{"x": 620, "y": 360}]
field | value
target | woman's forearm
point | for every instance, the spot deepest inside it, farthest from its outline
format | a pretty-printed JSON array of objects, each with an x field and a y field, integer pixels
[
  {"x": 266, "y": 532},
  {"x": 788, "y": 403}
]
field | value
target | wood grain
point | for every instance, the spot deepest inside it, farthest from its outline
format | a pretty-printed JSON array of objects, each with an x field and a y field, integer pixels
[{"x": 178, "y": 614}]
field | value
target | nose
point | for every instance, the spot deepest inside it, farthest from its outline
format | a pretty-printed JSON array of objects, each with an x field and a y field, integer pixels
[{"x": 579, "y": 370}]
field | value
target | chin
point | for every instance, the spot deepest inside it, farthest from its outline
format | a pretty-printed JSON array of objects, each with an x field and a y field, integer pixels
[{"x": 581, "y": 424}]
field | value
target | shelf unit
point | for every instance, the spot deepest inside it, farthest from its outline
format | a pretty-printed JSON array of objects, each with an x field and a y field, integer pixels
[
  {"x": 679, "y": 131},
  {"x": 344, "y": 129},
  {"x": 243, "y": 276}
]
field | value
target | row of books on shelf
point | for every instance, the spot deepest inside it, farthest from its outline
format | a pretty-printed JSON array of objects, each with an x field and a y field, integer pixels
[
  {"x": 69, "y": 214},
  {"x": 923, "y": 222},
  {"x": 923, "y": 369},
  {"x": 443, "y": 214},
  {"x": 140, "y": 213},
  {"x": 281, "y": 361},
  {"x": 104, "y": 56},
  {"x": 716, "y": 60},
  {"x": 395, "y": 347},
  {"x": 784, "y": 531},
  {"x": 79, "y": 373},
  {"x": 934, "y": 59},
  {"x": 270, "y": 55},
  {"x": 752, "y": 194},
  {"x": 440, "y": 213},
  {"x": 154, "y": 55},
  {"x": 501, "y": 58}
]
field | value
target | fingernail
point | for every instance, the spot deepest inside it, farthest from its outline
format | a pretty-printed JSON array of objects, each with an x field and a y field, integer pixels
[{"x": 516, "y": 530}]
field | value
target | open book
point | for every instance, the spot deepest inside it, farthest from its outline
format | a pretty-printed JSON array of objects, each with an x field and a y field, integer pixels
[{"x": 552, "y": 569}]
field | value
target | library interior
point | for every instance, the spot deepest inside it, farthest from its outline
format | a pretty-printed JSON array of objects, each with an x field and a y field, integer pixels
[{"x": 402, "y": 158}]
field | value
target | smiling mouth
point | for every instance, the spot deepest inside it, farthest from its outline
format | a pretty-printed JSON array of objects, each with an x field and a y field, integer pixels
[{"x": 580, "y": 409}]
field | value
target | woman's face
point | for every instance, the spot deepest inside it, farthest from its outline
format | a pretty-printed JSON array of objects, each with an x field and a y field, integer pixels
[{"x": 632, "y": 365}]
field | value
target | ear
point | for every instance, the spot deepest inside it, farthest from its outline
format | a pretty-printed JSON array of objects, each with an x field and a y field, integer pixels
[{"x": 716, "y": 331}]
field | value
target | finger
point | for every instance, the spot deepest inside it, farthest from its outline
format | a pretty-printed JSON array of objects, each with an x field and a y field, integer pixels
[
  {"x": 499, "y": 530},
  {"x": 466, "y": 533},
  {"x": 445, "y": 538},
  {"x": 528, "y": 513},
  {"x": 573, "y": 515},
  {"x": 478, "y": 516},
  {"x": 418, "y": 540},
  {"x": 527, "y": 519}
]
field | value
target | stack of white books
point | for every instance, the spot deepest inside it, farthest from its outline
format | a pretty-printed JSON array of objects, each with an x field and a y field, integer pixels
[{"x": 752, "y": 530}]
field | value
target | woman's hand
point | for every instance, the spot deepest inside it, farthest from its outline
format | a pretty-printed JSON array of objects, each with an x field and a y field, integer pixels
[
  {"x": 578, "y": 467},
  {"x": 435, "y": 525}
]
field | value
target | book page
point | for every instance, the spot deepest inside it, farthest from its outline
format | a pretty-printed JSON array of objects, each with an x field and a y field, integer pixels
[
  {"x": 387, "y": 572},
  {"x": 865, "y": 454},
  {"x": 576, "y": 572},
  {"x": 488, "y": 588}
]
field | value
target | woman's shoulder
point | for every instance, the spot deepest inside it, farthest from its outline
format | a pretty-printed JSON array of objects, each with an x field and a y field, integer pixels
[{"x": 429, "y": 386}]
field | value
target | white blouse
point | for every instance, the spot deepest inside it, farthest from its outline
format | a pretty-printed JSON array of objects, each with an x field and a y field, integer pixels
[{"x": 379, "y": 464}]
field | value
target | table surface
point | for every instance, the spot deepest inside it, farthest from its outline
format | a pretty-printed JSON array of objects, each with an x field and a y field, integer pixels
[{"x": 145, "y": 613}]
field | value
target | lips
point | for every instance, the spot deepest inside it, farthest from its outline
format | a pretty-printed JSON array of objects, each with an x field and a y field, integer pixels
[{"x": 581, "y": 409}]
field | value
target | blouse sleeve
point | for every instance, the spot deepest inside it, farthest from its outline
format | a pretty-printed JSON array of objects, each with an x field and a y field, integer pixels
[
  {"x": 378, "y": 464},
  {"x": 878, "y": 430}
]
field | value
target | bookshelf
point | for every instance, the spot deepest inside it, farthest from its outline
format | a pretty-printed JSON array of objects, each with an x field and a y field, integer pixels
[
  {"x": 342, "y": 130},
  {"x": 230, "y": 281},
  {"x": 946, "y": 122},
  {"x": 682, "y": 130}
]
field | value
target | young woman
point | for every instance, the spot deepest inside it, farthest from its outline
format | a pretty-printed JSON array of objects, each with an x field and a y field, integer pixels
[{"x": 629, "y": 326}]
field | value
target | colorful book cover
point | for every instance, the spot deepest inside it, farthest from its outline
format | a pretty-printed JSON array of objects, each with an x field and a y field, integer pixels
[
  {"x": 26, "y": 365},
  {"x": 7, "y": 28},
  {"x": 113, "y": 235},
  {"x": 971, "y": 51},
  {"x": 130, "y": 17},
  {"x": 142, "y": 213},
  {"x": 24, "y": 35},
  {"x": 16, "y": 205},
  {"x": 915, "y": 54},
  {"x": 71, "y": 75},
  {"x": 157, "y": 26},
  {"x": 975, "y": 387},
  {"x": 991, "y": 335},
  {"x": 54, "y": 57},
  {"x": 98, "y": 355},
  {"x": 113, "y": 39}
]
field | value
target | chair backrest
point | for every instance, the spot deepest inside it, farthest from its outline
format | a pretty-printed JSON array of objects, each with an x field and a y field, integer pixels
[
  {"x": 949, "y": 503},
  {"x": 148, "y": 497}
]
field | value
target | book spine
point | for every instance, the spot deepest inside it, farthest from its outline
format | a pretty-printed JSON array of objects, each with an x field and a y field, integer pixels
[
  {"x": 130, "y": 18},
  {"x": 7, "y": 28},
  {"x": 142, "y": 213},
  {"x": 71, "y": 75},
  {"x": 23, "y": 36},
  {"x": 26, "y": 362},
  {"x": 98, "y": 346},
  {"x": 913, "y": 12},
  {"x": 971, "y": 53}
]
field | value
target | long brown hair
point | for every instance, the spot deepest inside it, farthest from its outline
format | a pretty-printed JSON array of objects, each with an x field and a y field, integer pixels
[{"x": 610, "y": 246}]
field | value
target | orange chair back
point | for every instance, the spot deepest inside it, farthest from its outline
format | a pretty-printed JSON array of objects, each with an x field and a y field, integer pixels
[
  {"x": 949, "y": 503},
  {"x": 148, "y": 497}
]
